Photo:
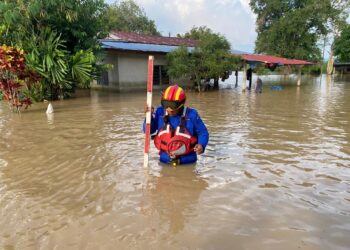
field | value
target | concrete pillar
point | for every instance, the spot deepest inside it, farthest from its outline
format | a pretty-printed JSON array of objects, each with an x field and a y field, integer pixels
[
  {"x": 299, "y": 75},
  {"x": 244, "y": 76},
  {"x": 236, "y": 74}
]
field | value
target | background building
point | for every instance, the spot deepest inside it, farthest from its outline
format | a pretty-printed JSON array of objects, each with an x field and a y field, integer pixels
[
  {"x": 342, "y": 68},
  {"x": 128, "y": 53}
]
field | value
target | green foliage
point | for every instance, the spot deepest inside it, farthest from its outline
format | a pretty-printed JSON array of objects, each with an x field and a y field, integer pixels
[
  {"x": 211, "y": 59},
  {"x": 48, "y": 58},
  {"x": 129, "y": 17},
  {"x": 342, "y": 45},
  {"x": 292, "y": 28},
  {"x": 314, "y": 69},
  {"x": 60, "y": 71},
  {"x": 80, "y": 23},
  {"x": 260, "y": 69},
  {"x": 61, "y": 38},
  {"x": 81, "y": 67},
  {"x": 180, "y": 63},
  {"x": 13, "y": 25},
  {"x": 196, "y": 33},
  {"x": 35, "y": 93}
]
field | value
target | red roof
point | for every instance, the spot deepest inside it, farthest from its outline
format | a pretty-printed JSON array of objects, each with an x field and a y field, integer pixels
[
  {"x": 149, "y": 39},
  {"x": 274, "y": 60}
]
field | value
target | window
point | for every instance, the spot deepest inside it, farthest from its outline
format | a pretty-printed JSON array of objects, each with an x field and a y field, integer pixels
[
  {"x": 103, "y": 80},
  {"x": 160, "y": 75}
]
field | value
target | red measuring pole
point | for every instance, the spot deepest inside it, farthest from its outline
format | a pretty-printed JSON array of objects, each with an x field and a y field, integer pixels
[{"x": 149, "y": 109}]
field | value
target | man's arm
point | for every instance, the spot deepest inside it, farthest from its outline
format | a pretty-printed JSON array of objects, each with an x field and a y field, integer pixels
[
  {"x": 154, "y": 121},
  {"x": 202, "y": 134}
]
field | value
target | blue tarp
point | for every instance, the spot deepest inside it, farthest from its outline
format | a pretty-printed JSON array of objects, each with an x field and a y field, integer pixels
[{"x": 140, "y": 46}]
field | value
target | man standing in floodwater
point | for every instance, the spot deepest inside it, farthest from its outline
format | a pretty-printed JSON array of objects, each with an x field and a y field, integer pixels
[
  {"x": 180, "y": 133},
  {"x": 258, "y": 85}
]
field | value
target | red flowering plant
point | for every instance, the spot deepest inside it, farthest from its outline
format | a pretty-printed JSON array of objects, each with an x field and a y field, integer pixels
[{"x": 16, "y": 80}]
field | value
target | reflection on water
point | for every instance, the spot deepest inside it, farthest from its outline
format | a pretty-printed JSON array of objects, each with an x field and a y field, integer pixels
[
  {"x": 174, "y": 195},
  {"x": 50, "y": 118},
  {"x": 275, "y": 173}
]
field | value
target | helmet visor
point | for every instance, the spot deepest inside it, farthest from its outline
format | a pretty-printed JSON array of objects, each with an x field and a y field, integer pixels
[{"x": 171, "y": 104}]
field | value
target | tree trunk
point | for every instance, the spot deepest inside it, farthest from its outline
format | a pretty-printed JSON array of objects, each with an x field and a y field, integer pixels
[
  {"x": 198, "y": 82},
  {"x": 330, "y": 63}
]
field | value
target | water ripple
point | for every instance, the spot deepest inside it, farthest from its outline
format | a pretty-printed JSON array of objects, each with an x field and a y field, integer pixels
[{"x": 274, "y": 175}]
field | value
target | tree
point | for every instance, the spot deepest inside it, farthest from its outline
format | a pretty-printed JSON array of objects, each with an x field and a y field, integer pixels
[
  {"x": 60, "y": 39},
  {"x": 129, "y": 17},
  {"x": 342, "y": 45},
  {"x": 13, "y": 23},
  {"x": 211, "y": 59},
  {"x": 80, "y": 23},
  {"x": 292, "y": 28},
  {"x": 60, "y": 71}
]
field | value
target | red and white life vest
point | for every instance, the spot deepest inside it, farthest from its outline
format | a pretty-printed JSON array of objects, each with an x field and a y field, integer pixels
[{"x": 175, "y": 142}]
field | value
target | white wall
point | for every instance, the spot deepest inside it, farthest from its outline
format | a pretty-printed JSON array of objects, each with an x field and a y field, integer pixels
[
  {"x": 129, "y": 70},
  {"x": 132, "y": 70}
]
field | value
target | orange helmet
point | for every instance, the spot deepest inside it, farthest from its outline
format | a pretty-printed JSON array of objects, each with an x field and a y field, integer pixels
[
  {"x": 174, "y": 93},
  {"x": 174, "y": 97}
]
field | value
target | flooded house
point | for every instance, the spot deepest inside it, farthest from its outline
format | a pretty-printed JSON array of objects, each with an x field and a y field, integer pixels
[
  {"x": 128, "y": 53},
  {"x": 342, "y": 67}
]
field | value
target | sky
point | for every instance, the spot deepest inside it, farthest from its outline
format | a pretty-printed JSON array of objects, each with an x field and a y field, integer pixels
[{"x": 231, "y": 18}]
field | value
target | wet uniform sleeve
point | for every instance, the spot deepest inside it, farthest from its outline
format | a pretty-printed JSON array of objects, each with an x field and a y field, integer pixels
[
  {"x": 154, "y": 122},
  {"x": 201, "y": 131}
]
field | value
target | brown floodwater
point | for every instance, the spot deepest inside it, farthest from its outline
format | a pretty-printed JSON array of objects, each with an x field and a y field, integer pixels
[{"x": 275, "y": 175}]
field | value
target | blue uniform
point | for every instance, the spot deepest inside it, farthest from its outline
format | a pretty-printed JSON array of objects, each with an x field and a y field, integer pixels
[{"x": 194, "y": 125}]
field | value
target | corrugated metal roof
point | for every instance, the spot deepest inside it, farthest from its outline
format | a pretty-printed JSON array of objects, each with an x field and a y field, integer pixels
[
  {"x": 341, "y": 64},
  {"x": 149, "y": 39},
  {"x": 148, "y": 43},
  {"x": 107, "y": 44},
  {"x": 274, "y": 60}
]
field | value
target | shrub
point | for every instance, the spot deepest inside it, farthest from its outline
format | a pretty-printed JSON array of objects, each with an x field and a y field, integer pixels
[{"x": 16, "y": 81}]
